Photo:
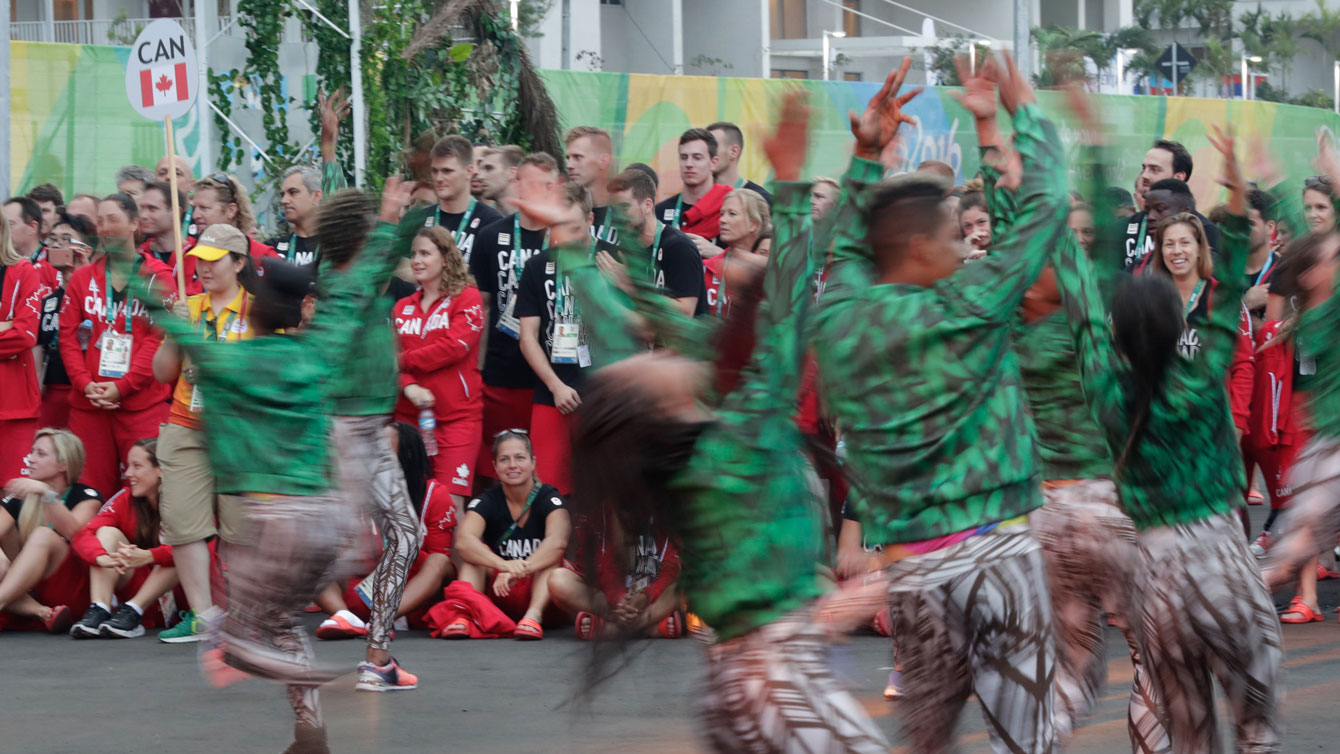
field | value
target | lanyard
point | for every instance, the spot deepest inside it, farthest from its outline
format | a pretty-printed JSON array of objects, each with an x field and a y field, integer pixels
[
  {"x": 220, "y": 333},
  {"x": 1270, "y": 262},
  {"x": 679, "y": 208},
  {"x": 1140, "y": 246},
  {"x": 459, "y": 231},
  {"x": 721, "y": 286},
  {"x": 739, "y": 182},
  {"x": 1195, "y": 298},
  {"x": 292, "y": 253},
  {"x": 534, "y": 492},
  {"x": 109, "y": 315},
  {"x": 446, "y": 301},
  {"x": 514, "y": 271}
]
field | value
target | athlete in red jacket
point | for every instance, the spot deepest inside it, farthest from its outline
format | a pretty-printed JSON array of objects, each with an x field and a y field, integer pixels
[
  {"x": 20, "y": 398},
  {"x": 439, "y": 355},
  {"x": 126, "y": 557},
  {"x": 114, "y": 398}
]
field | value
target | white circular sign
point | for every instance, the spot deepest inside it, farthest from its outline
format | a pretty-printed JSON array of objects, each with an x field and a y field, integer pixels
[{"x": 162, "y": 75}]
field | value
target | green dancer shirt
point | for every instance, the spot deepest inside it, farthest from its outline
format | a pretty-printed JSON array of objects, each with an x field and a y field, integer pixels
[
  {"x": 750, "y": 527},
  {"x": 266, "y": 416},
  {"x": 1187, "y": 465},
  {"x": 924, "y": 381}
]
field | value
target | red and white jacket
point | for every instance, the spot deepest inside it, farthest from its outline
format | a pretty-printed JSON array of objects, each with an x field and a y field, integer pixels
[
  {"x": 1278, "y": 415},
  {"x": 85, "y": 302},
  {"x": 439, "y": 350},
  {"x": 21, "y": 305},
  {"x": 1241, "y": 374},
  {"x": 117, "y": 512},
  {"x": 168, "y": 272},
  {"x": 437, "y": 520}
]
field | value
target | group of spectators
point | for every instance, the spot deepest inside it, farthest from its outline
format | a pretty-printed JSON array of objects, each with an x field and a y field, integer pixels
[{"x": 101, "y": 417}]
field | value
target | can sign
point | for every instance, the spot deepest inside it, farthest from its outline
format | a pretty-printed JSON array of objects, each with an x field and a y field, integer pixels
[{"x": 161, "y": 74}]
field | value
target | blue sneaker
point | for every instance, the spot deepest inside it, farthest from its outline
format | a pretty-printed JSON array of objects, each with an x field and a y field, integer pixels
[{"x": 895, "y": 688}]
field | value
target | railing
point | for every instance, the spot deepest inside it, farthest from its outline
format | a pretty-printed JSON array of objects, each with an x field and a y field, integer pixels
[{"x": 112, "y": 31}]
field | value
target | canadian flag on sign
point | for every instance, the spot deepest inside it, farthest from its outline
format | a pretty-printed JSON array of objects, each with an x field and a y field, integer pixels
[{"x": 163, "y": 84}]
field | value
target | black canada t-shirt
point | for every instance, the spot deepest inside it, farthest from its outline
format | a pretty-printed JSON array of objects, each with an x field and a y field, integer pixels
[
  {"x": 492, "y": 506},
  {"x": 76, "y": 494},
  {"x": 676, "y": 267},
  {"x": 497, "y": 266},
  {"x": 602, "y": 225},
  {"x": 542, "y": 294},
  {"x": 302, "y": 251}
]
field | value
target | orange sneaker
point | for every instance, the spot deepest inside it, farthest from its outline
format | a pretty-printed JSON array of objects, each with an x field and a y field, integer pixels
[
  {"x": 388, "y": 677},
  {"x": 218, "y": 673}
]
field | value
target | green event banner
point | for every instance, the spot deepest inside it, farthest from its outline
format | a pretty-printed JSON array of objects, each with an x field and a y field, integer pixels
[{"x": 71, "y": 123}]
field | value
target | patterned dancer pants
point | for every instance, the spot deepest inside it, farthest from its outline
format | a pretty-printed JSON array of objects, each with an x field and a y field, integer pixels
[
  {"x": 1090, "y": 549},
  {"x": 975, "y": 618},
  {"x": 1312, "y": 521},
  {"x": 370, "y": 475},
  {"x": 1205, "y": 608},
  {"x": 771, "y": 692},
  {"x": 294, "y": 546}
]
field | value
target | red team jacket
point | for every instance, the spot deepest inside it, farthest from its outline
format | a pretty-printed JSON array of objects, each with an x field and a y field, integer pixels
[
  {"x": 21, "y": 304},
  {"x": 84, "y": 302},
  {"x": 1278, "y": 414},
  {"x": 119, "y": 513},
  {"x": 438, "y": 521},
  {"x": 439, "y": 350},
  {"x": 168, "y": 272},
  {"x": 1240, "y": 374}
]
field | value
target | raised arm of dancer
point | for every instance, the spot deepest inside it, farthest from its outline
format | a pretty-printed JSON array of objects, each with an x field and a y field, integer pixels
[
  {"x": 999, "y": 163},
  {"x": 1100, "y": 367},
  {"x": 1222, "y": 332},
  {"x": 993, "y": 287},
  {"x": 334, "y": 109}
]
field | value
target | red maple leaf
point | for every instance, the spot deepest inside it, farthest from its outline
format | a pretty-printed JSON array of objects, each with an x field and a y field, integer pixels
[{"x": 164, "y": 83}]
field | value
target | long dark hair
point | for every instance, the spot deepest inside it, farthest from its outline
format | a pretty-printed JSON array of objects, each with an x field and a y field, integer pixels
[
  {"x": 1147, "y": 322},
  {"x": 146, "y": 513},
  {"x": 414, "y": 461}
]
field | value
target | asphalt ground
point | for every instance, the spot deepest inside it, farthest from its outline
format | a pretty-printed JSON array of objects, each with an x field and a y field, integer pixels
[{"x": 60, "y": 695}]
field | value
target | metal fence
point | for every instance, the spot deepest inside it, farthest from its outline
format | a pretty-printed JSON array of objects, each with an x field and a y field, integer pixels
[{"x": 115, "y": 31}]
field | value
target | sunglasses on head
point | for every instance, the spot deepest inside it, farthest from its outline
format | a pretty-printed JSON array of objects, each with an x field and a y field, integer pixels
[
  {"x": 1324, "y": 180},
  {"x": 225, "y": 180},
  {"x": 510, "y": 432}
]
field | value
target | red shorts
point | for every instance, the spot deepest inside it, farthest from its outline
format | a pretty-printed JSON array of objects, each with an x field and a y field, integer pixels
[
  {"x": 504, "y": 408},
  {"x": 67, "y": 586},
  {"x": 56, "y": 407},
  {"x": 553, "y": 447},
  {"x": 16, "y": 439},
  {"x": 457, "y": 455}
]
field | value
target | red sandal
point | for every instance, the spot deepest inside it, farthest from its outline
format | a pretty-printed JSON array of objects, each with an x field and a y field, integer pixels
[
  {"x": 671, "y": 626},
  {"x": 457, "y": 630},
  {"x": 588, "y": 625},
  {"x": 528, "y": 630},
  {"x": 1299, "y": 612}
]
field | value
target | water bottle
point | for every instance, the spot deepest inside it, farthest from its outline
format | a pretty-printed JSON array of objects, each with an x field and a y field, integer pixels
[{"x": 428, "y": 430}]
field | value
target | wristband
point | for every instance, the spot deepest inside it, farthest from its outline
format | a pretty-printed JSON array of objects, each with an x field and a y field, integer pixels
[{"x": 50, "y": 497}]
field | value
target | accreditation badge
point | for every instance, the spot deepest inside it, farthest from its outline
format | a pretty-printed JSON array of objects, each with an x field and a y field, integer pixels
[{"x": 114, "y": 362}]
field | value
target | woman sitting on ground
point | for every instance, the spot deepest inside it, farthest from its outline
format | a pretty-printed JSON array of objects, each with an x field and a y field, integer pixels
[
  {"x": 43, "y": 580},
  {"x": 126, "y": 558},
  {"x": 513, "y": 538},
  {"x": 429, "y": 572}
]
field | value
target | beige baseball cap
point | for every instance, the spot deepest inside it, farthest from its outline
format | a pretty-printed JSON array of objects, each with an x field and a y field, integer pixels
[{"x": 220, "y": 239}]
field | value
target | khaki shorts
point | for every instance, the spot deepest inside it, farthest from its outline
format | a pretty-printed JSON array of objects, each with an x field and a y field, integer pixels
[{"x": 187, "y": 502}]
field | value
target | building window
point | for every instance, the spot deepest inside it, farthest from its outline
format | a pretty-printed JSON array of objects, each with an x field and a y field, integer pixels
[
  {"x": 790, "y": 73},
  {"x": 852, "y": 76},
  {"x": 788, "y": 19},
  {"x": 851, "y": 23}
]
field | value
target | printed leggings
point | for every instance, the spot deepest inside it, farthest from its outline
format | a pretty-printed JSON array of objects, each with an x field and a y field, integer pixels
[
  {"x": 293, "y": 550},
  {"x": 771, "y": 692},
  {"x": 1204, "y": 608},
  {"x": 370, "y": 475},
  {"x": 975, "y": 618},
  {"x": 1313, "y": 519},
  {"x": 1091, "y": 552}
]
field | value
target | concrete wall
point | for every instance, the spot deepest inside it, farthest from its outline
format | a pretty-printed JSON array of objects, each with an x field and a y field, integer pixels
[
  {"x": 723, "y": 39},
  {"x": 584, "y": 36},
  {"x": 638, "y": 37}
]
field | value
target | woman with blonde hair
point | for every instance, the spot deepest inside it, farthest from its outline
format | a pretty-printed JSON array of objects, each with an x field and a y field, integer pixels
[
  {"x": 439, "y": 327},
  {"x": 41, "y": 515},
  {"x": 220, "y": 199},
  {"x": 746, "y": 221},
  {"x": 21, "y": 400}
]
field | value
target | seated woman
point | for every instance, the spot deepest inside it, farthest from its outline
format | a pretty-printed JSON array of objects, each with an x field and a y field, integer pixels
[
  {"x": 433, "y": 567},
  {"x": 513, "y": 536},
  {"x": 126, "y": 558},
  {"x": 44, "y": 583},
  {"x": 630, "y": 584}
]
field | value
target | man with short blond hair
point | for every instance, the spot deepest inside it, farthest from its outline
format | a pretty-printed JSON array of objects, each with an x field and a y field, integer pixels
[{"x": 590, "y": 160}]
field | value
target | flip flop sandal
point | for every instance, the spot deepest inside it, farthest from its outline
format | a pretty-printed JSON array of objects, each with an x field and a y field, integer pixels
[
  {"x": 671, "y": 626},
  {"x": 588, "y": 625},
  {"x": 1255, "y": 498},
  {"x": 457, "y": 630},
  {"x": 1299, "y": 612},
  {"x": 528, "y": 630}
]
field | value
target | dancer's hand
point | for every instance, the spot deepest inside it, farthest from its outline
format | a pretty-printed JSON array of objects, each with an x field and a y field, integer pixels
[
  {"x": 614, "y": 271},
  {"x": 786, "y": 147},
  {"x": 979, "y": 91},
  {"x": 1232, "y": 176},
  {"x": 333, "y": 109},
  {"x": 1015, "y": 91},
  {"x": 396, "y": 194},
  {"x": 1261, "y": 162},
  {"x": 565, "y": 223},
  {"x": 876, "y": 128}
]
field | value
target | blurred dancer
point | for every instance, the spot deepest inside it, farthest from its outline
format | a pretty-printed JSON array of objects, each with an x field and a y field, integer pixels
[
  {"x": 914, "y": 348},
  {"x": 264, "y": 408},
  {"x": 1202, "y": 604},
  {"x": 731, "y": 484}
]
